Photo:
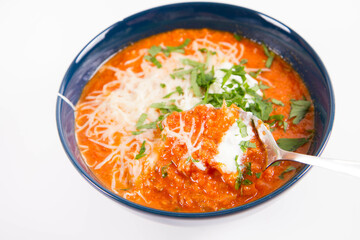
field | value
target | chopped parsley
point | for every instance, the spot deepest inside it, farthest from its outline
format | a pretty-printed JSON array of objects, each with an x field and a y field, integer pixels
[
  {"x": 255, "y": 74},
  {"x": 162, "y": 85},
  {"x": 238, "y": 37},
  {"x": 242, "y": 128},
  {"x": 204, "y": 50},
  {"x": 248, "y": 169},
  {"x": 299, "y": 108},
  {"x": 153, "y": 60},
  {"x": 246, "y": 182},
  {"x": 179, "y": 49},
  {"x": 178, "y": 90},
  {"x": 154, "y": 50},
  {"x": 288, "y": 169},
  {"x": 243, "y": 61},
  {"x": 141, "y": 120},
  {"x": 275, "y": 164},
  {"x": 166, "y": 108},
  {"x": 240, "y": 177},
  {"x": 195, "y": 87},
  {"x": 270, "y": 56},
  {"x": 263, "y": 86},
  {"x": 164, "y": 172},
  {"x": 142, "y": 151},
  {"x": 277, "y": 102},
  {"x": 244, "y": 145},
  {"x": 192, "y": 159},
  {"x": 137, "y": 132},
  {"x": 258, "y": 175},
  {"x": 291, "y": 144}
]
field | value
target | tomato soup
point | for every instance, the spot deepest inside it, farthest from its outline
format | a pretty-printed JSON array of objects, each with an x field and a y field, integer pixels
[{"x": 159, "y": 123}]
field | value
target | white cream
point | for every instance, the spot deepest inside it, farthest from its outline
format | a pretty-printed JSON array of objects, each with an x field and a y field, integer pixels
[{"x": 229, "y": 147}]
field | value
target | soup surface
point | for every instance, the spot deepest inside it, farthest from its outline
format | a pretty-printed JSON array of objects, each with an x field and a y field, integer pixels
[{"x": 160, "y": 125}]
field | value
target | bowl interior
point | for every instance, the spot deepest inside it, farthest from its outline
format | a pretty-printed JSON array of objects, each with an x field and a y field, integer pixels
[{"x": 251, "y": 24}]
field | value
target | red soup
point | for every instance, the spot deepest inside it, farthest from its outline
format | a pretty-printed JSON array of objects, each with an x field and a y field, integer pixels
[{"x": 159, "y": 124}]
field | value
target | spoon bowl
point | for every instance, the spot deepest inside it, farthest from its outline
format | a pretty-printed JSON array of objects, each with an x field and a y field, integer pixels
[{"x": 275, "y": 153}]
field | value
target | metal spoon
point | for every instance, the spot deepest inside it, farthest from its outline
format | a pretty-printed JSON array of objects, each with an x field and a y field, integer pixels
[{"x": 275, "y": 153}]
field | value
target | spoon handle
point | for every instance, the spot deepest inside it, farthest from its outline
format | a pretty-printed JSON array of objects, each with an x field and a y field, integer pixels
[{"x": 350, "y": 167}]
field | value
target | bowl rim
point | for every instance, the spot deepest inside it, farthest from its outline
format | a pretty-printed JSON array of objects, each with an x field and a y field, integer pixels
[{"x": 139, "y": 207}]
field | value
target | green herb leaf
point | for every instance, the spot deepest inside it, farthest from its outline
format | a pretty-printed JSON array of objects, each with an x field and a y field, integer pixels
[
  {"x": 247, "y": 182},
  {"x": 195, "y": 87},
  {"x": 164, "y": 172},
  {"x": 270, "y": 56},
  {"x": 154, "y": 50},
  {"x": 137, "y": 132},
  {"x": 275, "y": 164},
  {"x": 162, "y": 85},
  {"x": 255, "y": 74},
  {"x": 178, "y": 90},
  {"x": 164, "y": 108},
  {"x": 238, "y": 37},
  {"x": 240, "y": 177},
  {"x": 288, "y": 169},
  {"x": 153, "y": 60},
  {"x": 248, "y": 168},
  {"x": 142, "y": 151},
  {"x": 244, "y": 145},
  {"x": 262, "y": 86},
  {"x": 242, "y": 127},
  {"x": 291, "y": 144},
  {"x": 258, "y": 175},
  {"x": 192, "y": 63},
  {"x": 277, "y": 102},
  {"x": 261, "y": 109},
  {"x": 243, "y": 61},
  {"x": 141, "y": 120},
  {"x": 299, "y": 108}
]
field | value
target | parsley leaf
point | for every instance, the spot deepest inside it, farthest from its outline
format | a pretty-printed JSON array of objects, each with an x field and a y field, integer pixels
[
  {"x": 288, "y": 169},
  {"x": 162, "y": 85},
  {"x": 298, "y": 109},
  {"x": 142, "y": 151},
  {"x": 154, "y": 50},
  {"x": 255, "y": 74},
  {"x": 153, "y": 60},
  {"x": 164, "y": 108},
  {"x": 270, "y": 56},
  {"x": 291, "y": 144},
  {"x": 137, "y": 132},
  {"x": 141, "y": 120},
  {"x": 248, "y": 169},
  {"x": 240, "y": 177},
  {"x": 178, "y": 90},
  {"x": 244, "y": 145},
  {"x": 238, "y": 37},
  {"x": 277, "y": 102},
  {"x": 164, "y": 172},
  {"x": 195, "y": 87},
  {"x": 263, "y": 86},
  {"x": 179, "y": 49},
  {"x": 258, "y": 175},
  {"x": 261, "y": 109},
  {"x": 242, "y": 127}
]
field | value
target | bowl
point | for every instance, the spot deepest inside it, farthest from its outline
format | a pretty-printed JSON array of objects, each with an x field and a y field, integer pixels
[{"x": 251, "y": 24}]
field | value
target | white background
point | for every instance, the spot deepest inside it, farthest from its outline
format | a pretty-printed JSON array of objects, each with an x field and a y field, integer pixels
[{"x": 42, "y": 196}]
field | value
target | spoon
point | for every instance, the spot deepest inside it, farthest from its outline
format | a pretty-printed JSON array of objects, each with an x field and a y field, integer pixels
[{"x": 275, "y": 153}]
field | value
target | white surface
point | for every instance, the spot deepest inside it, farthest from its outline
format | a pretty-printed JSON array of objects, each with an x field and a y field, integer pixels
[{"x": 44, "y": 197}]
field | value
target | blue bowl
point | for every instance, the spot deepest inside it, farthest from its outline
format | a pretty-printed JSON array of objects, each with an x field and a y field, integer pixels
[{"x": 251, "y": 24}]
